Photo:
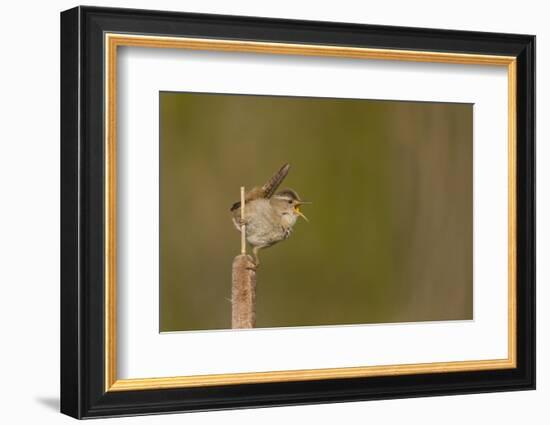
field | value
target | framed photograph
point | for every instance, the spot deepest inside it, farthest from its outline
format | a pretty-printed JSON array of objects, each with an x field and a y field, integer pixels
[{"x": 261, "y": 212}]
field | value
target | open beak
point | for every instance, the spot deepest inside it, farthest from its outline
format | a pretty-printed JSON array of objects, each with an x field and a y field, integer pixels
[{"x": 300, "y": 213}]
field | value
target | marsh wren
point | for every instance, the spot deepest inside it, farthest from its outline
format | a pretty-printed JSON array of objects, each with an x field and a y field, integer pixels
[{"x": 269, "y": 217}]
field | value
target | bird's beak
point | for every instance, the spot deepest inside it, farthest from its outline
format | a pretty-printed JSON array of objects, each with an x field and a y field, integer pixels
[{"x": 300, "y": 213}]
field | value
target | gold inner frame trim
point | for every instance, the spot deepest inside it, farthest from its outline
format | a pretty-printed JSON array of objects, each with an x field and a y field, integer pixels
[{"x": 113, "y": 41}]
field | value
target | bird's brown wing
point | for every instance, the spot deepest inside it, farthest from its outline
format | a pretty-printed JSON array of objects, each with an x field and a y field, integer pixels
[
  {"x": 275, "y": 181},
  {"x": 236, "y": 206}
]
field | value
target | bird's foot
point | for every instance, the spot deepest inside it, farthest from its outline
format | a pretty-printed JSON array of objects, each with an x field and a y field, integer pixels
[
  {"x": 253, "y": 265},
  {"x": 241, "y": 221}
]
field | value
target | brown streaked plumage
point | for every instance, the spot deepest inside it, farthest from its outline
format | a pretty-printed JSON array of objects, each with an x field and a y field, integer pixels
[{"x": 269, "y": 216}]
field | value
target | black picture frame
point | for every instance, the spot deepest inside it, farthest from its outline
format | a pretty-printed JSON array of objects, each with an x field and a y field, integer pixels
[{"x": 83, "y": 392}]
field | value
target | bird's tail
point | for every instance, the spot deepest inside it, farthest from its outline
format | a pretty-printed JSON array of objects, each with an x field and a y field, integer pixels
[{"x": 275, "y": 181}]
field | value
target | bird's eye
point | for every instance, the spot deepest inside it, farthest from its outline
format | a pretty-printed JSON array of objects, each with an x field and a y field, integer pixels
[{"x": 290, "y": 202}]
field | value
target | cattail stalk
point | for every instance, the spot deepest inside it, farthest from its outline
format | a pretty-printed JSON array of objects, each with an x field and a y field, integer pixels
[
  {"x": 243, "y": 290},
  {"x": 243, "y": 226}
]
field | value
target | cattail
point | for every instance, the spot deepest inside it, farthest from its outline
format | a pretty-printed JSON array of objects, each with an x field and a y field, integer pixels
[{"x": 243, "y": 291}]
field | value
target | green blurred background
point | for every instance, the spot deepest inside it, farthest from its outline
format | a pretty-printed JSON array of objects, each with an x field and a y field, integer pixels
[{"x": 390, "y": 233}]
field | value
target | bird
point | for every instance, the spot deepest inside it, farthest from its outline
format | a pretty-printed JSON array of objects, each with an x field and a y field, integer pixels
[{"x": 269, "y": 216}]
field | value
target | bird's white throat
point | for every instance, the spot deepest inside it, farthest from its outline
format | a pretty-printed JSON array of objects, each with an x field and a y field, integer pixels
[{"x": 288, "y": 220}]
